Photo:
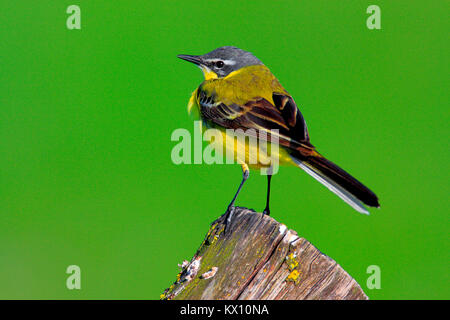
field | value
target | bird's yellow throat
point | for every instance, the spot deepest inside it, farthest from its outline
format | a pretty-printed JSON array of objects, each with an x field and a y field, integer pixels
[{"x": 208, "y": 73}]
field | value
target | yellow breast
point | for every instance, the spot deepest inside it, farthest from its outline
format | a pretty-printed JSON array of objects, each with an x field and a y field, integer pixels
[{"x": 239, "y": 87}]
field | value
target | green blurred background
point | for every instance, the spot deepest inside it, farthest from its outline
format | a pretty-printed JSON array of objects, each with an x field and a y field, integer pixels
[{"x": 86, "y": 117}]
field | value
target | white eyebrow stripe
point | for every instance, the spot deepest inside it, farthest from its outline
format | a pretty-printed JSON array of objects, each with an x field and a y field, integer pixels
[{"x": 227, "y": 62}]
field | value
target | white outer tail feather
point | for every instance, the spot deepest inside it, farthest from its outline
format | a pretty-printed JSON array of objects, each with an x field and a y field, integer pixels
[{"x": 332, "y": 186}]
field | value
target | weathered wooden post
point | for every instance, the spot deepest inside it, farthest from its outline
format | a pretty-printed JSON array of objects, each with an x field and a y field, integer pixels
[{"x": 260, "y": 259}]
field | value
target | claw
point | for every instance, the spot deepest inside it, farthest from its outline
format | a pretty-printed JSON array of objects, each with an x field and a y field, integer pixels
[
  {"x": 229, "y": 216},
  {"x": 225, "y": 218}
]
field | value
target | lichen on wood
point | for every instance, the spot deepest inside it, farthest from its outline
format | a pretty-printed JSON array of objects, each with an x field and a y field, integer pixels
[{"x": 259, "y": 258}]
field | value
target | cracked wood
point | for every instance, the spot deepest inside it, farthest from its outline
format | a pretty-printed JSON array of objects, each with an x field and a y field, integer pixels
[{"x": 261, "y": 259}]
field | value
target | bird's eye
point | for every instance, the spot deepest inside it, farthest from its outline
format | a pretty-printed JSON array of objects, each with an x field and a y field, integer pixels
[{"x": 219, "y": 64}]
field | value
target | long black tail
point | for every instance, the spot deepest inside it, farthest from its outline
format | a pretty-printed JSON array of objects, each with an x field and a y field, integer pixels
[{"x": 338, "y": 181}]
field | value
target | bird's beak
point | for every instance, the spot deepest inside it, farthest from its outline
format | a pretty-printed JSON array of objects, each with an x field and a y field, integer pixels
[
  {"x": 194, "y": 59},
  {"x": 198, "y": 60}
]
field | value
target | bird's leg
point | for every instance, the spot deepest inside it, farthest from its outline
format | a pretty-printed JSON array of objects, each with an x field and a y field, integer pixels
[
  {"x": 228, "y": 215},
  {"x": 230, "y": 209},
  {"x": 267, "y": 210}
]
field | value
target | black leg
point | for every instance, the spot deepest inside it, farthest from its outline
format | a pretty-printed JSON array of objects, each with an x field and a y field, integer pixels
[
  {"x": 230, "y": 209},
  {"x": 245, "y": 176},
  {"x": 267, "y": 210},
  {"x": 228, "y": 215}
]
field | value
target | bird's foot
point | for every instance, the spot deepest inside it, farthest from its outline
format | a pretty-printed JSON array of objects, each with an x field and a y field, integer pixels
[
  {"x": 266, "y": 212},
  {"x": 226, "y": 218}
]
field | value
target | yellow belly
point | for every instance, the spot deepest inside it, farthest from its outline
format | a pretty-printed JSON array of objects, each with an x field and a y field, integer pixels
[
  {"x": 242, "y": 151},
  {"x": 248, "y": 150}
]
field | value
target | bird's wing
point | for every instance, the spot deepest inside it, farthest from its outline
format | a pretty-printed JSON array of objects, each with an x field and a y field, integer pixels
[
  {"x": 262, "y": 116},
  {"x": 283, "y": 114}
]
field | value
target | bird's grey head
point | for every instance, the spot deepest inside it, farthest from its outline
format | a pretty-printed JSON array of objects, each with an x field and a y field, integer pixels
[{"x": 222, "y": 61}]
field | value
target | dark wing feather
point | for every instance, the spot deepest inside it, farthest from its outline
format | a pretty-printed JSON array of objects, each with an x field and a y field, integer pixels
[
  {"x": 261, "y": 115},
  {"x": 292, "y": 115}
]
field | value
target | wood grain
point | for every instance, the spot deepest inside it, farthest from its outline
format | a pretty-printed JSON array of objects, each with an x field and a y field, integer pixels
[{"x": 259, "y": 259}]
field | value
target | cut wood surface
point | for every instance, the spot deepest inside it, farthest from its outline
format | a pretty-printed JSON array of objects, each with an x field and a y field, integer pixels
[{"x": 259, "y": 258}]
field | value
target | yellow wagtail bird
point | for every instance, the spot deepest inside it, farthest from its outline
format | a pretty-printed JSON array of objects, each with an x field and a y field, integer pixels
[{"x": 240, "y": 92}]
